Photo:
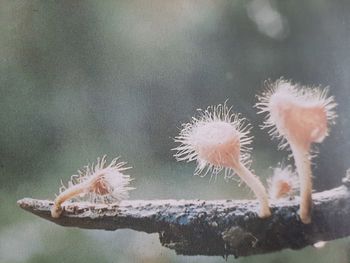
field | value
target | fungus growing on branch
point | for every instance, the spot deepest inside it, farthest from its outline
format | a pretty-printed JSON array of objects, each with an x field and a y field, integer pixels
[
  {"x": 300, "y": 116},
  {"x": 283, "y": 183},
  {"x": 97, "y": 183},
  {"x": 219, "y": 139}
]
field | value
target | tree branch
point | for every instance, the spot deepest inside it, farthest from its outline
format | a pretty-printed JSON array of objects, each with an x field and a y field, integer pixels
[{"x": 218, "y": 227}]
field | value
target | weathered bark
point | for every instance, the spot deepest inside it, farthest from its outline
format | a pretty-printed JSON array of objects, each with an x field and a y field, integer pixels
[{"x": 219, "y": 227}]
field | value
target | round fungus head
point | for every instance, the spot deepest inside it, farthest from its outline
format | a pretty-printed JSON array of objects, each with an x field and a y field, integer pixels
[
  {"x": 216, "y": 139},
  {"x": 299, "y": 114}
]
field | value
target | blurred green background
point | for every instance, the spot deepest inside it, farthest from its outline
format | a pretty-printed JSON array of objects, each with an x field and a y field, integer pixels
[{"x": 80, "y": 79}]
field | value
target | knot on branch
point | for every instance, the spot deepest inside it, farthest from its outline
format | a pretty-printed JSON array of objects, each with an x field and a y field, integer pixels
[{"x": 236, "y": 237}]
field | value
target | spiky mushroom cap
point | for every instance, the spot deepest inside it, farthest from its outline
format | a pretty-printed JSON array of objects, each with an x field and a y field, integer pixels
[
  {"x": 216, "y": 139},
  {"x": 297, "y": 113},
  {"x": 217, "y": 143}
]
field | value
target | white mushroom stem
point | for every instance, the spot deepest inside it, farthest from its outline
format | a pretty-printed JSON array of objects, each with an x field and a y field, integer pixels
[
  {"x": 303, "y": 164},
  {"x": 258, "y": 188},
  {"x": 66, "y": 195}
]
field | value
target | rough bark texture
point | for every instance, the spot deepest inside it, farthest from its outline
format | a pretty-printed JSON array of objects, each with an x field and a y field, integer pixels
[{"x": 216, "y": 227}]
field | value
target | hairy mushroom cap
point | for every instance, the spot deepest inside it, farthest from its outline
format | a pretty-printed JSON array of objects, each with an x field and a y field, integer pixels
[
  {"x": 216, "y": 139},
  {"x": 297, "y": 113}
]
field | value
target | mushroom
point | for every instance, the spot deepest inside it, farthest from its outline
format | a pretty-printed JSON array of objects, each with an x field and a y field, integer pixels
[
  {"x": 283, "y": 183},
  {"x": 219, "y": 139},
  {"x": 100, "y": 183},
  {"x": 300, "y": 116}
]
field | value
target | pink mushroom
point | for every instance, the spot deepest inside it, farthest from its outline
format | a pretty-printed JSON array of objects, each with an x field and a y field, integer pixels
[
  {"x": 300, "y": 116},
  {"x": 101, "y": 183},
  {"x": 219, "y": 139}
]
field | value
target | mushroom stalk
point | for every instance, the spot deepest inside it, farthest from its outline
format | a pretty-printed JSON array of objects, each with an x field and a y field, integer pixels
[
  {"x": 69, "y": 193},
  {"x": 303, "y": 164},
  {"x": 255, "y": 184}
]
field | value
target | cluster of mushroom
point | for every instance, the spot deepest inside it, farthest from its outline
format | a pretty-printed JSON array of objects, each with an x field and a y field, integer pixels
[
  {"x": 298, "y": 115},
  {"x": 220, "y": 140}
]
